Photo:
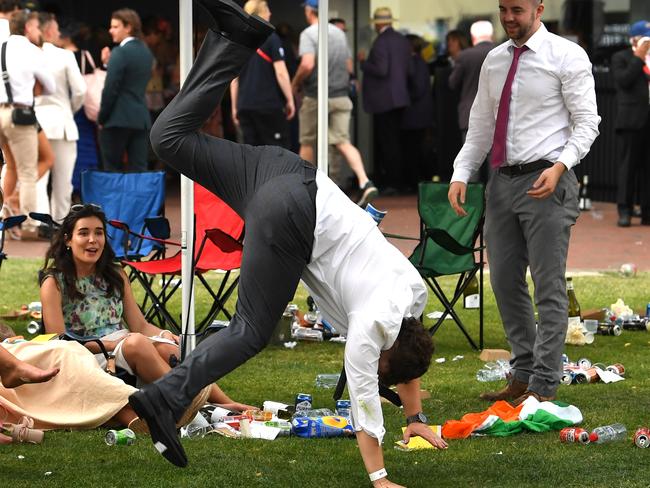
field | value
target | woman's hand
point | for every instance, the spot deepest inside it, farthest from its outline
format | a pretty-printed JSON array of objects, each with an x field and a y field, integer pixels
[
  {"x": 237, "y": 407},
  {"x": 166, "y": 334}
]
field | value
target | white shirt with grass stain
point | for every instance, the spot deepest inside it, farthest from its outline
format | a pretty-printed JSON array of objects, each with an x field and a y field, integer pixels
[{"x": 364, "y": 286}]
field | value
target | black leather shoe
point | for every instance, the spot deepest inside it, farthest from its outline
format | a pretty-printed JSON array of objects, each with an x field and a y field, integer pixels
[
  {"x": 231, "y": 21},
  {"x": 149, "y": 404}
]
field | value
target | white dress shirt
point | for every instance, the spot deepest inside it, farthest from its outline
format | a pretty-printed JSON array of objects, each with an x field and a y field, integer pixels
[
  {"x": 553, "y": 114},
  {"x": 4, "y": 30},
  {"x": 25, "y": 64},
  {"x": 55, "y": 112},
  {"x": 364, "y": 286}
]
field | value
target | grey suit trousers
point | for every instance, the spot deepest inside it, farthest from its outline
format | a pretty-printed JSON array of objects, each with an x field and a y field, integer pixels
[
  {"x": 272, "y": 189},
  {"x": 522, "y": 232}
]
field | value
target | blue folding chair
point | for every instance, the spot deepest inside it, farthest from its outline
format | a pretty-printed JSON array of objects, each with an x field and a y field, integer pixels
[
  {"x": 6, "y": 224},
  {"x": 134, "y": 205}
]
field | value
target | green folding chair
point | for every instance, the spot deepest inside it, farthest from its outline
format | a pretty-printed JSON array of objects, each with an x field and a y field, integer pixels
[{"x": 447, "y": 246}]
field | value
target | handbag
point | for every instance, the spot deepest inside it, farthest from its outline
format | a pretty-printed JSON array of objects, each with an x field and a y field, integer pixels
[
  {"x": 19, "y": 115},
  {"x": 94, "y": 86}
]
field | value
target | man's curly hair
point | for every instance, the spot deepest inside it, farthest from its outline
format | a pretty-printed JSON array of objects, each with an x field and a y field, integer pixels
[{"x": 410, "y": 355}]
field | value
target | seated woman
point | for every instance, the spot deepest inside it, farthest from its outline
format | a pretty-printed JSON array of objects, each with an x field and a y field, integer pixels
[{"x": 84, "y": 292}]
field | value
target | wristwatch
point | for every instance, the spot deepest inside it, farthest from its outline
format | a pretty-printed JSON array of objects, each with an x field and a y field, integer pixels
[{"x": 419, "y": 418}]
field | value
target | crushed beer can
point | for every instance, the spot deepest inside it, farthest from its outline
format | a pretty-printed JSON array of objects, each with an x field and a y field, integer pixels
[
  {"x": 124, "y": 437},
  {"x": 587, "y": 376},
  {"x": 642, "y": 437},
  {"x": 617, "y": 368},
  {"x": 572, "y": 435},
  {"x": 568, "y": 377},
  {"x": 584, "y": 363},
  {"x": 303, "y": 402}
]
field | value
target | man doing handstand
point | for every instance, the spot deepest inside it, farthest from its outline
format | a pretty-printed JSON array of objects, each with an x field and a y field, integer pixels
[{"x": 298, "y": 224}]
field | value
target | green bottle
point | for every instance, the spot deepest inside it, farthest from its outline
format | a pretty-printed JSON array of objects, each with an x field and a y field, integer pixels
[{"x": 574, "y": 306}]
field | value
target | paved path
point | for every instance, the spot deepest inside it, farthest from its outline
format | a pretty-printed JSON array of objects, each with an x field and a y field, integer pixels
[{"x": 596, "y": 242}]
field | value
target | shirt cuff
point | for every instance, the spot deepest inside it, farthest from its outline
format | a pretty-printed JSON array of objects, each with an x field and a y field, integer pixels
[
  {"x": 568, "y": 158},
  {"x": 461, "y": 174}
]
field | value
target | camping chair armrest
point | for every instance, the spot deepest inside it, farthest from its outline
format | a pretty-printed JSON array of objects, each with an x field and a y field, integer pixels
[
  {"x": 445, "y": 240},
  {"x": 124, "y": 227},
  {"x": 12, "y": 221},
  {"x": 223, "y": 241},
  {"x": 397, "y": 236}
]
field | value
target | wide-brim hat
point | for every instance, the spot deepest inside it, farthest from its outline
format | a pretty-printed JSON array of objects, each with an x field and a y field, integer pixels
[
  {"x": 640, "y": 28},
  {"x": 382, "y": 15}
]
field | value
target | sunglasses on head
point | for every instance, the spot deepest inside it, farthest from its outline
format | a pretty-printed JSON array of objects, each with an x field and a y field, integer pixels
[{"x": 82, "y": 206}]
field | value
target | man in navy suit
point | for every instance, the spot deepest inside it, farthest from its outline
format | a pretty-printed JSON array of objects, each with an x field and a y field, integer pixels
[
  {"x": 123, "y": 115},
  {"x": 632, "y": 75},
  {"x": 385, "y": 95}
]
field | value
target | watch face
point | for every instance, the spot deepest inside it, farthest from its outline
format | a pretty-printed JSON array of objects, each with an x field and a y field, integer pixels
[{"x": 422, "y": 418}]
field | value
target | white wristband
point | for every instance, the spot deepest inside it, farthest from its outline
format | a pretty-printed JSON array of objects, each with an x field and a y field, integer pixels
[{"x": 377, "y": 475}]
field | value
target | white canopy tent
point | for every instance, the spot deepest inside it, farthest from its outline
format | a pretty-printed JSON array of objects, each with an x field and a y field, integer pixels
[{"x": 187, "y": 189}]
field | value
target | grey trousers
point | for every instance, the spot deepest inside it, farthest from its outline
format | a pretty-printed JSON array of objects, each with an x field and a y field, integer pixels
[
  {"x": 521, "y": 231},
  {"x": 272, "y": 189}
]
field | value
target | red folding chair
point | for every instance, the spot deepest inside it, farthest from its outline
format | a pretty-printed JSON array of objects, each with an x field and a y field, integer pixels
[{"x": 219, "y": 230}]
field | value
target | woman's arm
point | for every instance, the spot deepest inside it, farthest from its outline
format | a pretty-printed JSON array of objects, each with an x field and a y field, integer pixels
[
  {"x": 51, "y": 301},
  {"x": 134, "y": 319}
]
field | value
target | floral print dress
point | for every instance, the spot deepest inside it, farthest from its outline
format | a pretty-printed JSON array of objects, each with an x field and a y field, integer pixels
[{"x": 96, "y": 314}]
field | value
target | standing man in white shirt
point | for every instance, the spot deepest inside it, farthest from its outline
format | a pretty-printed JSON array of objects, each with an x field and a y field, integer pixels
[
  {"x": 25, "y": 65},
  {"x": 55, "y": 114},
  {"x": 536, "y": 110},
  {"x": 298, "y": 224}
]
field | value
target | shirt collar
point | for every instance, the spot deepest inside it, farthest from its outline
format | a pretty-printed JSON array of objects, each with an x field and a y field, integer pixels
[
  {"x": 125, "y": 40},
  {"x": 535, "y": 41}
]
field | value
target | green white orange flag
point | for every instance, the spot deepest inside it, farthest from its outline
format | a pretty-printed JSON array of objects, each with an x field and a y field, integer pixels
[{"x": 502, "y": 419}]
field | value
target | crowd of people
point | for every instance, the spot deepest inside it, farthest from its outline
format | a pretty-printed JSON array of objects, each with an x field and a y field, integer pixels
[{"x": 526, "y": 112}]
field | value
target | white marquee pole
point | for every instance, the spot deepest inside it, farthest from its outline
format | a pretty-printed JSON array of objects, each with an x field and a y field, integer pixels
[
  {"x": 323, "y": 79},
  {"x": 187, "y": 190}
]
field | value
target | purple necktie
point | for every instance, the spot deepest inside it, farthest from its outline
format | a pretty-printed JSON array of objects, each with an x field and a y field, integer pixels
[{"x": 501, "y": 128}]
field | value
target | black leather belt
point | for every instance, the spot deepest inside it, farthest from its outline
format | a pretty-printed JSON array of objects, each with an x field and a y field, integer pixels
[
  {"x": 524, "y": 169},
  {"x": 14, "y": 105}
]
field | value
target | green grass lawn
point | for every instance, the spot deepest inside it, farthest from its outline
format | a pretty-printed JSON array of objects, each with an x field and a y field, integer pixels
[{"x": 82, "y": 458}]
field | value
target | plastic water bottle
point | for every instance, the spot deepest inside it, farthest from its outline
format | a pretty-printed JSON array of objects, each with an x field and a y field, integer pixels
[
  {"x": 493, "y": 371},
  {"x": 327, "y": 380},
  {"x": 608, "y": 433}
]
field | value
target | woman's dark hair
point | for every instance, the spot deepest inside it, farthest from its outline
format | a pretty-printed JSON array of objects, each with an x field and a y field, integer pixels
[
  {"x": 59, "y": 256},
  {"x": 410, "y": 355}
]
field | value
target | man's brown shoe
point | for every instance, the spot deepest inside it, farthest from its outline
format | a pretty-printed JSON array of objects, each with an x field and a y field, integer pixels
[
  {"x": 513, "y": 389},
  {"x": 519, "y": 400}
]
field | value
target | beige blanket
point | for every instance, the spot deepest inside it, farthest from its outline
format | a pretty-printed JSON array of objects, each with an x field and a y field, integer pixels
[{"x": 81, "y": 396}]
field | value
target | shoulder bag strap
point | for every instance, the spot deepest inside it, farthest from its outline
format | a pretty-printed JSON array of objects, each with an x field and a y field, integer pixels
[
  {"x": 5, "y": 74},
  {"x": 90, "y": 59}
]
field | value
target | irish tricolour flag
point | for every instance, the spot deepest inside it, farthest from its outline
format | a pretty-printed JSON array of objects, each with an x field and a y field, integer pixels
[{"x": 502, "y": 419}]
